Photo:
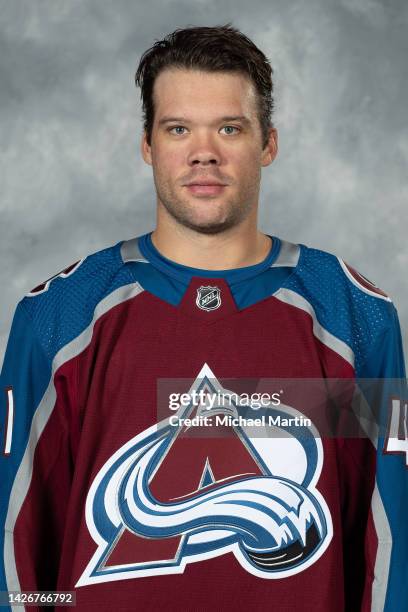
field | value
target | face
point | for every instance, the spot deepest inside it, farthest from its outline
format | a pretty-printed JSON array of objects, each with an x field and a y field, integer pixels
[{"x": 206, "y": 148}]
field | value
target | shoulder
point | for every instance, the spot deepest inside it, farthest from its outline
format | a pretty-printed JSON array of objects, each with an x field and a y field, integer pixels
[
  {"x": 61, "y": 307},
  {"x": 98, "y": 263},
  {"x": 332, "y": 269},
  {"x": 340, "y": 299}
]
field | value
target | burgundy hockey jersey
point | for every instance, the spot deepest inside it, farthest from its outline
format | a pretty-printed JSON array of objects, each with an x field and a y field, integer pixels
[{"x": 119, "y": 481}]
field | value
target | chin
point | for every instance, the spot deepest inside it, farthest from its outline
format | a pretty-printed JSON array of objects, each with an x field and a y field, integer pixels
[
  {"x": 210, "y": 226},
  {"x": 202, "y": 219}
]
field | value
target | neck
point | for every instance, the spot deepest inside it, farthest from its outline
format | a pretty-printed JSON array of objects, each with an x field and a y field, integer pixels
[{"x": 237, "y": 247}]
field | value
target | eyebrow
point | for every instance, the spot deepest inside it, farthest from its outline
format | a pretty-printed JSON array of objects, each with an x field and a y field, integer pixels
[{"x": 241, "y": 118}]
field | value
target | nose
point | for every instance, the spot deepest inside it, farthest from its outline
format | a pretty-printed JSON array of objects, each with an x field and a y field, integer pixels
[{"x": 203, "y": 151}]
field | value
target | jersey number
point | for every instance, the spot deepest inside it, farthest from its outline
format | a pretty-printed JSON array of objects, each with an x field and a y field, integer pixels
[{"x": 397, "y": 436}]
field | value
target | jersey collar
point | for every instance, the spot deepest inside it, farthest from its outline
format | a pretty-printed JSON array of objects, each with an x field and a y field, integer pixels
[{"x": 149, "y": 253}]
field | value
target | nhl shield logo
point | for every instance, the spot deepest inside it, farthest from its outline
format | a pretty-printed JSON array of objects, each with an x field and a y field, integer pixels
[{"x": 208, "y": 298}]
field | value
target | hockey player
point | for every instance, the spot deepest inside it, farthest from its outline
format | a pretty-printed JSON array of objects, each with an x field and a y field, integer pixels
[{"x": 109, "y": 493}]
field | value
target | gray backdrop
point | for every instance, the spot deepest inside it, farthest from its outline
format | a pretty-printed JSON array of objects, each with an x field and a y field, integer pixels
[{"x": 73, "y": 181}]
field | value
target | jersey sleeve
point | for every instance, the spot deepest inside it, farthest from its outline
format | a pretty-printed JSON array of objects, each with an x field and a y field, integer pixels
[
  {"x": 35, "y": 463},
  {"x": 386, "y": 586}
]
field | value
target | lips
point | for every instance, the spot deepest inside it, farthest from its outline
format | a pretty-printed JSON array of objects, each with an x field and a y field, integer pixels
[
  {"x": 205, "y": 186},
  {"x": 212, "y": 189}
]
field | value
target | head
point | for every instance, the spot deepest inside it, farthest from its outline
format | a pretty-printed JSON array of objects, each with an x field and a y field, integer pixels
[{"x": 207, "y": 113}]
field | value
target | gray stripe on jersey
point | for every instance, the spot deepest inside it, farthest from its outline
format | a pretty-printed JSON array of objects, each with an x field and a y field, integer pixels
[
  {"x": 383, "y": 557},
  {"x": 365, "y": 416},
  {"x": 288, "y": 255},
  {"x": 382, "y": 527},
  {"x": 130, "y": 251},
  {"x": 42, "y": 414},
  {"x": 294, "y": 299}
]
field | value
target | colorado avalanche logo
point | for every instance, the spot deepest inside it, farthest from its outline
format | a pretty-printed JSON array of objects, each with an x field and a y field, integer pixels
[
  {"x": 164, "y": 500},
  {"x": 208, "y": 298}
]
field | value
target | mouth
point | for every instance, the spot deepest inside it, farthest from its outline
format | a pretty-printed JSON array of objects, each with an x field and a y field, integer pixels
[{"x": 214, "y": 189}]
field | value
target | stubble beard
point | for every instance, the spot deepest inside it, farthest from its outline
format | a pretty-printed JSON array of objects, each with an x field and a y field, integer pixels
[{"x": 182, "y": 209}]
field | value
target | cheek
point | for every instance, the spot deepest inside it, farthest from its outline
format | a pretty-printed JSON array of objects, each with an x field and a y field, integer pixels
[
  {"x": 169, "y": 162},
  {"x": 245, "y": 162}
]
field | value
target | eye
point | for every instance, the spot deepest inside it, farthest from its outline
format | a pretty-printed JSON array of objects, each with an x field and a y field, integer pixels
[
  {"x": 231, "y": 127},
  {"x": 177, "y": 127}
]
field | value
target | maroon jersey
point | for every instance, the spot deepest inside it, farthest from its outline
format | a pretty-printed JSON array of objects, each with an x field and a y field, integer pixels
[{"x": 168, "y": 437}]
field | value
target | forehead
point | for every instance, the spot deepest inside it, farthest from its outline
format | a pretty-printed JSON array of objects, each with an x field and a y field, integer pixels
[{"x": 189, "y": 92}]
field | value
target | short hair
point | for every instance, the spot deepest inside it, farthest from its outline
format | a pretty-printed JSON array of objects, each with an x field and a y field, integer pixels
[{"x": 212, "y": 49}]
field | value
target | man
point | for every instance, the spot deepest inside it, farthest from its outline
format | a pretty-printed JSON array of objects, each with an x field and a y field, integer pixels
[{"x": 122, "y": 480}]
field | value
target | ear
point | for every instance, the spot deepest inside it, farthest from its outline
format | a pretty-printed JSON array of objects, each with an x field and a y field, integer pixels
[
  {"x": 146, "y": 149},
  {"x": 271, "y": 149}
]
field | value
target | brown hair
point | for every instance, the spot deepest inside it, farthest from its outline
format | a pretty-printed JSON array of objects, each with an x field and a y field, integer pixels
[{"x": 213, "y": 49}]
